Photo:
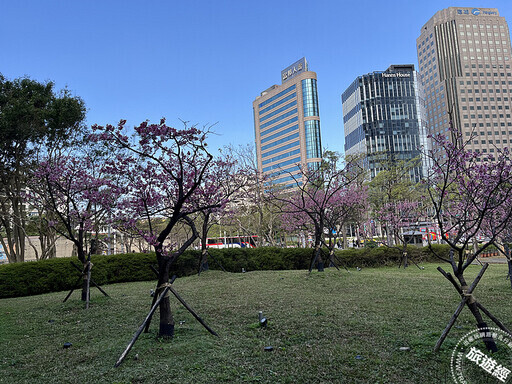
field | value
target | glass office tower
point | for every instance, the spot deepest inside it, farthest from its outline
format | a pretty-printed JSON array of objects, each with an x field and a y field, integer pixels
[
  {"x": 383, "y": 119},
  {"x": 464, "y": 64},
  {"x": 287, "y": 125}
]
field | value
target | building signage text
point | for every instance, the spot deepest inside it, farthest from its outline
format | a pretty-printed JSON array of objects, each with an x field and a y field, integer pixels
[
  {"x": 396, "y": 74},
  {"x": 475, "y": 12},
  {"x": 294, "y": 69}
]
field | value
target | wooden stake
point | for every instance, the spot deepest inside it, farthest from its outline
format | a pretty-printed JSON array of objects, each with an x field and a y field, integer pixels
[
  {"x": 146, "y": 330},
  {"x": 91, "y": 281},
  {"x": 72, "y": 289},
  {"x": 342, "y": 263},
  {"x": 141, "y": 328},
  {"x": 192, "y": 312},
  {"x": 460, "y": 307},
  {"x": 494, "y": 319}
]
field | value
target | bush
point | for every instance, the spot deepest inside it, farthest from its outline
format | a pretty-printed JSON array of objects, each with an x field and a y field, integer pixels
[{"x": 53, "y": 275}]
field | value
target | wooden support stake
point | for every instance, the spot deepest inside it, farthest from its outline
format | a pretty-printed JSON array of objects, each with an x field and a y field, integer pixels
[
  {"x": 72, "y": 289},
  {"x": 459, "y": 308},
  {"x": 218, "y": 263},
  {"x": 342, "y": 263},
  {"x": 97, "y": 286},
  {"x": 141, "y": 328},
  {"x": 493, "y": 318},
  {"x": 480, "y": 306},
  {"x": 146, "y": 330},
  {"x": 192, "y": 311},
  {"x": 333, "y": 263},
  {"x": 91, "y": 279}
]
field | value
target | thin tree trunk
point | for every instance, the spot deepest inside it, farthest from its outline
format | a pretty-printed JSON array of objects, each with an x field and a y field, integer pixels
[
  {"x": 203, "y": 263},
  {"x": 318, "y": 250},
  {"x": 344, "y": 229},
  {"x": 471, "y": 304},
  {"x": 166, "y": 329},
  {"x": 509, "y": 262}
]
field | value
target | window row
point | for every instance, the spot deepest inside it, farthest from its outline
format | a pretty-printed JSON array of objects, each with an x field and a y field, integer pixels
[
  {"x": 283, "y": 132},
  {"x": 284, "y": 139},
  {"x": 279, "y": 118},
  {"x": 282, "y": 93},
  {"x": 277, "y": 103},
  {"x": 282, "y": 163},
  {"x": 287, "y": 146}
]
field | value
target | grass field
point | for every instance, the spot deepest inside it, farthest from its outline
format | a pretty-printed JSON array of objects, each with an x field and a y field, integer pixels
[{"x": 331, "y": 327}]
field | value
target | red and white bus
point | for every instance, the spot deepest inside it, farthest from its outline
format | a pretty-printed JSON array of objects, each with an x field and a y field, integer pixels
[{"x": 232, "y": 242}]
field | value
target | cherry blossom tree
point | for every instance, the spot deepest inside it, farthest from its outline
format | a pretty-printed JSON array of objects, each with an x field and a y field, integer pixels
[
  {"x": 256, "y": 213},
  {"x": 230, "y": 181},
  {"x": 316, "y": 190},
  {"x": 400, "y": 218},
  {"x": 72, "y": 189},
  {"x": 167, "y": 179},
  {"x": 471, "y": 196},
  {"x": 394, "y": 184},
  {"x": 347, "y": 205}
]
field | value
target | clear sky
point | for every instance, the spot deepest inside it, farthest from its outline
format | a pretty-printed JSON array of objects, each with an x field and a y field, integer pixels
[{"x": 206, "y": 61}]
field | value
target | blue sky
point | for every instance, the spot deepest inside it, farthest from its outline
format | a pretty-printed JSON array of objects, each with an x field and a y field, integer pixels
[{"x": 206, "y": 61}]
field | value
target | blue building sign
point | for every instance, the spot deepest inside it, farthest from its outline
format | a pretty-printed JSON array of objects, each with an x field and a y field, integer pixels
[{"x": 294, "y": 69}]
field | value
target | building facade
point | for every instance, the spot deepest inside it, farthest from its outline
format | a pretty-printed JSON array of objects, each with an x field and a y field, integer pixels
[
  {"x": 383, "y": 119},
  {"x": 287, "y": 125},
  {"x": 464, "y": 65}
]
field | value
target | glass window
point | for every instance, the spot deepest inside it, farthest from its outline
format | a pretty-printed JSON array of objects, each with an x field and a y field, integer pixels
[{"x": 310, "y": 97}]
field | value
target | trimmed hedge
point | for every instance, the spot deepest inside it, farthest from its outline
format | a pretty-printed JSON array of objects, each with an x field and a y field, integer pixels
[
  {"x": 31, "y": 278},
  {"x": 35, "y": 277}
]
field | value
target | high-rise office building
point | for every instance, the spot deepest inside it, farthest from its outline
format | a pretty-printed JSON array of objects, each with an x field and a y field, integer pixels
[
  {"x": 464, "y": 65},
  {"x": 383, "y": 120},
  {"x": 287, "y": 125}
]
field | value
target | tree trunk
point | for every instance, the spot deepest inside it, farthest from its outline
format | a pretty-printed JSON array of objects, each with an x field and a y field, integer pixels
[
  {"x": 489, "y": 342},
  {"x": 318, "y": 250},
  {"x": 509, "y": 262},
  {"x": 166, "y": 329},
  {"x": 331, "y": 251},
  {"x": 203, "y": 263},
  {"x": 344, "y": 232},
  {"x": 86, "y": 269},
  {"x": 404, "y": 255}
]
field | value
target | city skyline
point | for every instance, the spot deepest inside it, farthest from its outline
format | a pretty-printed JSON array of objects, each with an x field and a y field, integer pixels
[{"x": 137, "y": 61}]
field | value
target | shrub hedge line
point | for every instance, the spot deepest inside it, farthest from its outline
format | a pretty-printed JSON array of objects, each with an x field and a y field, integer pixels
[{"x": 30, "y": 278}]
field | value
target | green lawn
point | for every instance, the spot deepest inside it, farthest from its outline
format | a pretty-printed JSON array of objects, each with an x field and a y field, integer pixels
[{"x": 331, "y": 327}]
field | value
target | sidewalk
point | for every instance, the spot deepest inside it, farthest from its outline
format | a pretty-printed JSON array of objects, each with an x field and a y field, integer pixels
[{"x": 492, "y": 260}]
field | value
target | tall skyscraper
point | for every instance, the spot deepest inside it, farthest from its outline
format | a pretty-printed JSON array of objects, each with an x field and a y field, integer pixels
[
  {"x": 383, "y": 119},
  {"x": 464, "y": 65},
  {"x": 287, "y": 125}
]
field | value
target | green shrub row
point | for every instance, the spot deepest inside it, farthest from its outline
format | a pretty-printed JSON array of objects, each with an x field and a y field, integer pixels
[{"x": 54, "y": 275}]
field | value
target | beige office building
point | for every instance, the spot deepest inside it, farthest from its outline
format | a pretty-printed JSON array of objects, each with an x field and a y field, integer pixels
[
  {"x": 464, "y": 65},
  {"x": 287, "y": 125}
]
